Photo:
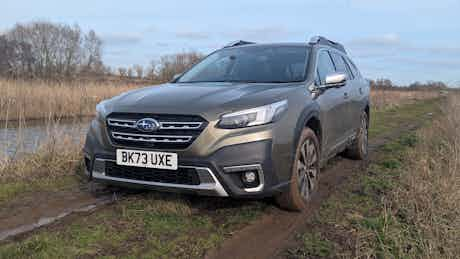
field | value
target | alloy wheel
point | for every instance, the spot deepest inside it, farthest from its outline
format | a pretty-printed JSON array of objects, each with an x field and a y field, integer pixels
[{"x": 307, "y": 169}]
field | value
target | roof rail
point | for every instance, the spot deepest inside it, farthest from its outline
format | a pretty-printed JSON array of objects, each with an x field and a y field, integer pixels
[
  {"x": 238, "y": 43},
  {"x": 323, "y": 40}
]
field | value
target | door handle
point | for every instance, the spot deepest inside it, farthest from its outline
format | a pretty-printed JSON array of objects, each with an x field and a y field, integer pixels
[{"x": 345, "y": 95}]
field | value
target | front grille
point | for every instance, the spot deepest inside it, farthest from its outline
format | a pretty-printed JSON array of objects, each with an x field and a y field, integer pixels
[
  {"x": 174, "y": 132},
  {"x": 184, "y": 176}
]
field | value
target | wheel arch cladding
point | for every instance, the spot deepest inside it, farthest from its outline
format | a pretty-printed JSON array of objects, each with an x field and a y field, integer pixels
[
  {"x": 367, "y": 110},
  {"x": 309, "y": 118}
]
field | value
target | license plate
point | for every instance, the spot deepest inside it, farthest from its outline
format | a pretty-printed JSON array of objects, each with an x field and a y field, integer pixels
[{"x": 147, "y": 159}]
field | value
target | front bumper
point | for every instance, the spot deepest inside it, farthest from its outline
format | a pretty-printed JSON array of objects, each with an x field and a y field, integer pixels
[
  {"x": 209, "y": 185},
  {"x": 219, "y": 162}
]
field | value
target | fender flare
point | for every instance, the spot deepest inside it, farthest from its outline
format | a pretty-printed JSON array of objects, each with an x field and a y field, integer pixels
[{"x": 309, "y": 112}]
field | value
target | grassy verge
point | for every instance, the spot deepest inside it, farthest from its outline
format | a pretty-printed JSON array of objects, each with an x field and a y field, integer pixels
[
  {"x": 53, "y": 166},
  {"x": 406, "y": 205},
  {"x": 385, "y": 120}
]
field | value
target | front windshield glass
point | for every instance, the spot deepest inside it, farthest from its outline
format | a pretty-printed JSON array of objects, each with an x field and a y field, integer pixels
[{"x": 251, "y": 64}]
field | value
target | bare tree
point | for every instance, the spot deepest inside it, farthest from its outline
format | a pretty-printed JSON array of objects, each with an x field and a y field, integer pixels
[
  {"x": 92, "y": 48},
  {"x": 15, "y": 58},
  {"x": 151, "y": 71},
  {"x": 174, "y": 64},
  {"x": 122, "y": 72},
  {"x": 139, "y": 71},
  {"x": 129, "y": 73},
  {"x": 48, "y": 50}
]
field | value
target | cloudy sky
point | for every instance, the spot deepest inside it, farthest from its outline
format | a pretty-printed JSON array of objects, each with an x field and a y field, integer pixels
[{"x": 401, "y": 40}]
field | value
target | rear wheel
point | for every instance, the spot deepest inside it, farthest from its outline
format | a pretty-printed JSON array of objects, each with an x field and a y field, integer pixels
[
  {"x": 359, "y": 149},
  {"x": 305, "y": 172}
]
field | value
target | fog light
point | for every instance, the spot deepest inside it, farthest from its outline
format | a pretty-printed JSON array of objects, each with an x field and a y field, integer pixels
[{"x": 249, "y": 177}]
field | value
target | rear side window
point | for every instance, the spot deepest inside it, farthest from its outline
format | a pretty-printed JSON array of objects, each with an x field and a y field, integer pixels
[
  {"x": 350, "y": 74},
  {"x": 353, "y": 68},
  {"x": 324, "y": 66},
  {"x": 340, "y": 65}
]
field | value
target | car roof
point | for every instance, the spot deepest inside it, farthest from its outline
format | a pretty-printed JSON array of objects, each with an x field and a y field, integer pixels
[{"x": 282, "y": 44}]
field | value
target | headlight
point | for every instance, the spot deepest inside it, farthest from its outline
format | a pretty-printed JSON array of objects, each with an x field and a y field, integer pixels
[
  {"x": 253, "y": 117},
  {"x": 100, "y": 112}
]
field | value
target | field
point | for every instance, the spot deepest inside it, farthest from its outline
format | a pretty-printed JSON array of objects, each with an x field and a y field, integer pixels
[{"x": 394, "y": 207}]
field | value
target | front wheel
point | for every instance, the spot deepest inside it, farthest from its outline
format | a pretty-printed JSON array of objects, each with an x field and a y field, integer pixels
[{"x": 305, "y": 173}]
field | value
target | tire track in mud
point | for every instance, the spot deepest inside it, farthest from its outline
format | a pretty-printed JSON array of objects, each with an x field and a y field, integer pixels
[
  {"x": 40, "y": 209},
  {"x": 267, "y": 237}
]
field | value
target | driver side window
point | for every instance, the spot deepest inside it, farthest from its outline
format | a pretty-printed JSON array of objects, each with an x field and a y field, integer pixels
[{"x": 324, "y": 67}]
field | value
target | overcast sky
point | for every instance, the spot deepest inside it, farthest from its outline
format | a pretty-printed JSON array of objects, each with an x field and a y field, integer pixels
[{"x": 401, "y": 40}]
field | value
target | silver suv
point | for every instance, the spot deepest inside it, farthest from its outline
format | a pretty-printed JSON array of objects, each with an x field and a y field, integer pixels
[{"x": 249, "y": 120}]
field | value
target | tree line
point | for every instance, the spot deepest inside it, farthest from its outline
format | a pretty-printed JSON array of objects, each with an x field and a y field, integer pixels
[
  {"x": 387, "y": 84},
  {"x": 161, "y": 70},
  {"x": 46, "y": 50}
]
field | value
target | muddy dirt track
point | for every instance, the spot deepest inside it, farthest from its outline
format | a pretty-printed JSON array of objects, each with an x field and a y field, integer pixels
[
  {"x": 264, "y": 238},
  {"x": 275, "y": 231}
]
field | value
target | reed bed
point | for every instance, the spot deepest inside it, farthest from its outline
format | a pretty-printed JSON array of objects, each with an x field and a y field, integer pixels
[
  {"x": 390, "y": 98},
  {"x": 27, "y": 100},
  {"x": 24, "y": 104}
]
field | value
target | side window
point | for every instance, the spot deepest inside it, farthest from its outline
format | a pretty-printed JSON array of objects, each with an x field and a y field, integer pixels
[
  {"x": 339, "y": 63},
  {"x": 324, "y": 66},
  {"x": 353, "y": 68},
  {"x": 350, "y": 74}
]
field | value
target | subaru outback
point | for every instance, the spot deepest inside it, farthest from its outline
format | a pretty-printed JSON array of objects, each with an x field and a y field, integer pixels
[{"x": 249, "y": 120}]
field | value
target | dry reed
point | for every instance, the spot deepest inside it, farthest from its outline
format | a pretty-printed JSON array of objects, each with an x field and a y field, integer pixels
[
  {"x": 383, "y": 98},
  {"x": 38, "y": 100},
  {"x": 430, "y": 194},
  {"x": 420, "y": 216}
]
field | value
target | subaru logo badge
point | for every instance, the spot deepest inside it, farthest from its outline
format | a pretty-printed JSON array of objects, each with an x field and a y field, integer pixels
[{"x": 147, "y": 125}]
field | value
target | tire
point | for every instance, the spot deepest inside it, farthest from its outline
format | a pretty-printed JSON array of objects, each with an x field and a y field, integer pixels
[
  {"x": 304, "y": 182},
  {"x": 358, "y": 150}
]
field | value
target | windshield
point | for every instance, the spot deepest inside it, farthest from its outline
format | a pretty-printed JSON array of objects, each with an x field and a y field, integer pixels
[{"x": 251, "y": 64}]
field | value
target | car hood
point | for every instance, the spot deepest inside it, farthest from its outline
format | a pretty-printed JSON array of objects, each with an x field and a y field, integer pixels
[{"x": 209, "y": 100}]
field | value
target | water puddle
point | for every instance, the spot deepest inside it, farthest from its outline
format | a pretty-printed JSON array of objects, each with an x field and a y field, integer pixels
[{"x": 28, "y": 136}]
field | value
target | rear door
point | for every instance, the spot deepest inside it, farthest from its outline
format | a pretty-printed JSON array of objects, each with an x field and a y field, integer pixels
[
  {"x": 331, "y": 101},
  {"x": 349, "y": 94},
  {"x": 360, "y": 92}
]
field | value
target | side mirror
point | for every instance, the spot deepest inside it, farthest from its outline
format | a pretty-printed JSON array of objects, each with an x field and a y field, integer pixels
[{"x": 336, "y": 79}]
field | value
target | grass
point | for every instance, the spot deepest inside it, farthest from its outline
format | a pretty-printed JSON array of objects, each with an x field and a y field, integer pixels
[
  {"x": 149, "y": 225},
  {"x": 54, "y": 165},
  {"x": 313, "y": 246},
  {"x": 384, "y": 120},
  {"x": 390, "y": 98},
  {"x": 405, "y": 206}
]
